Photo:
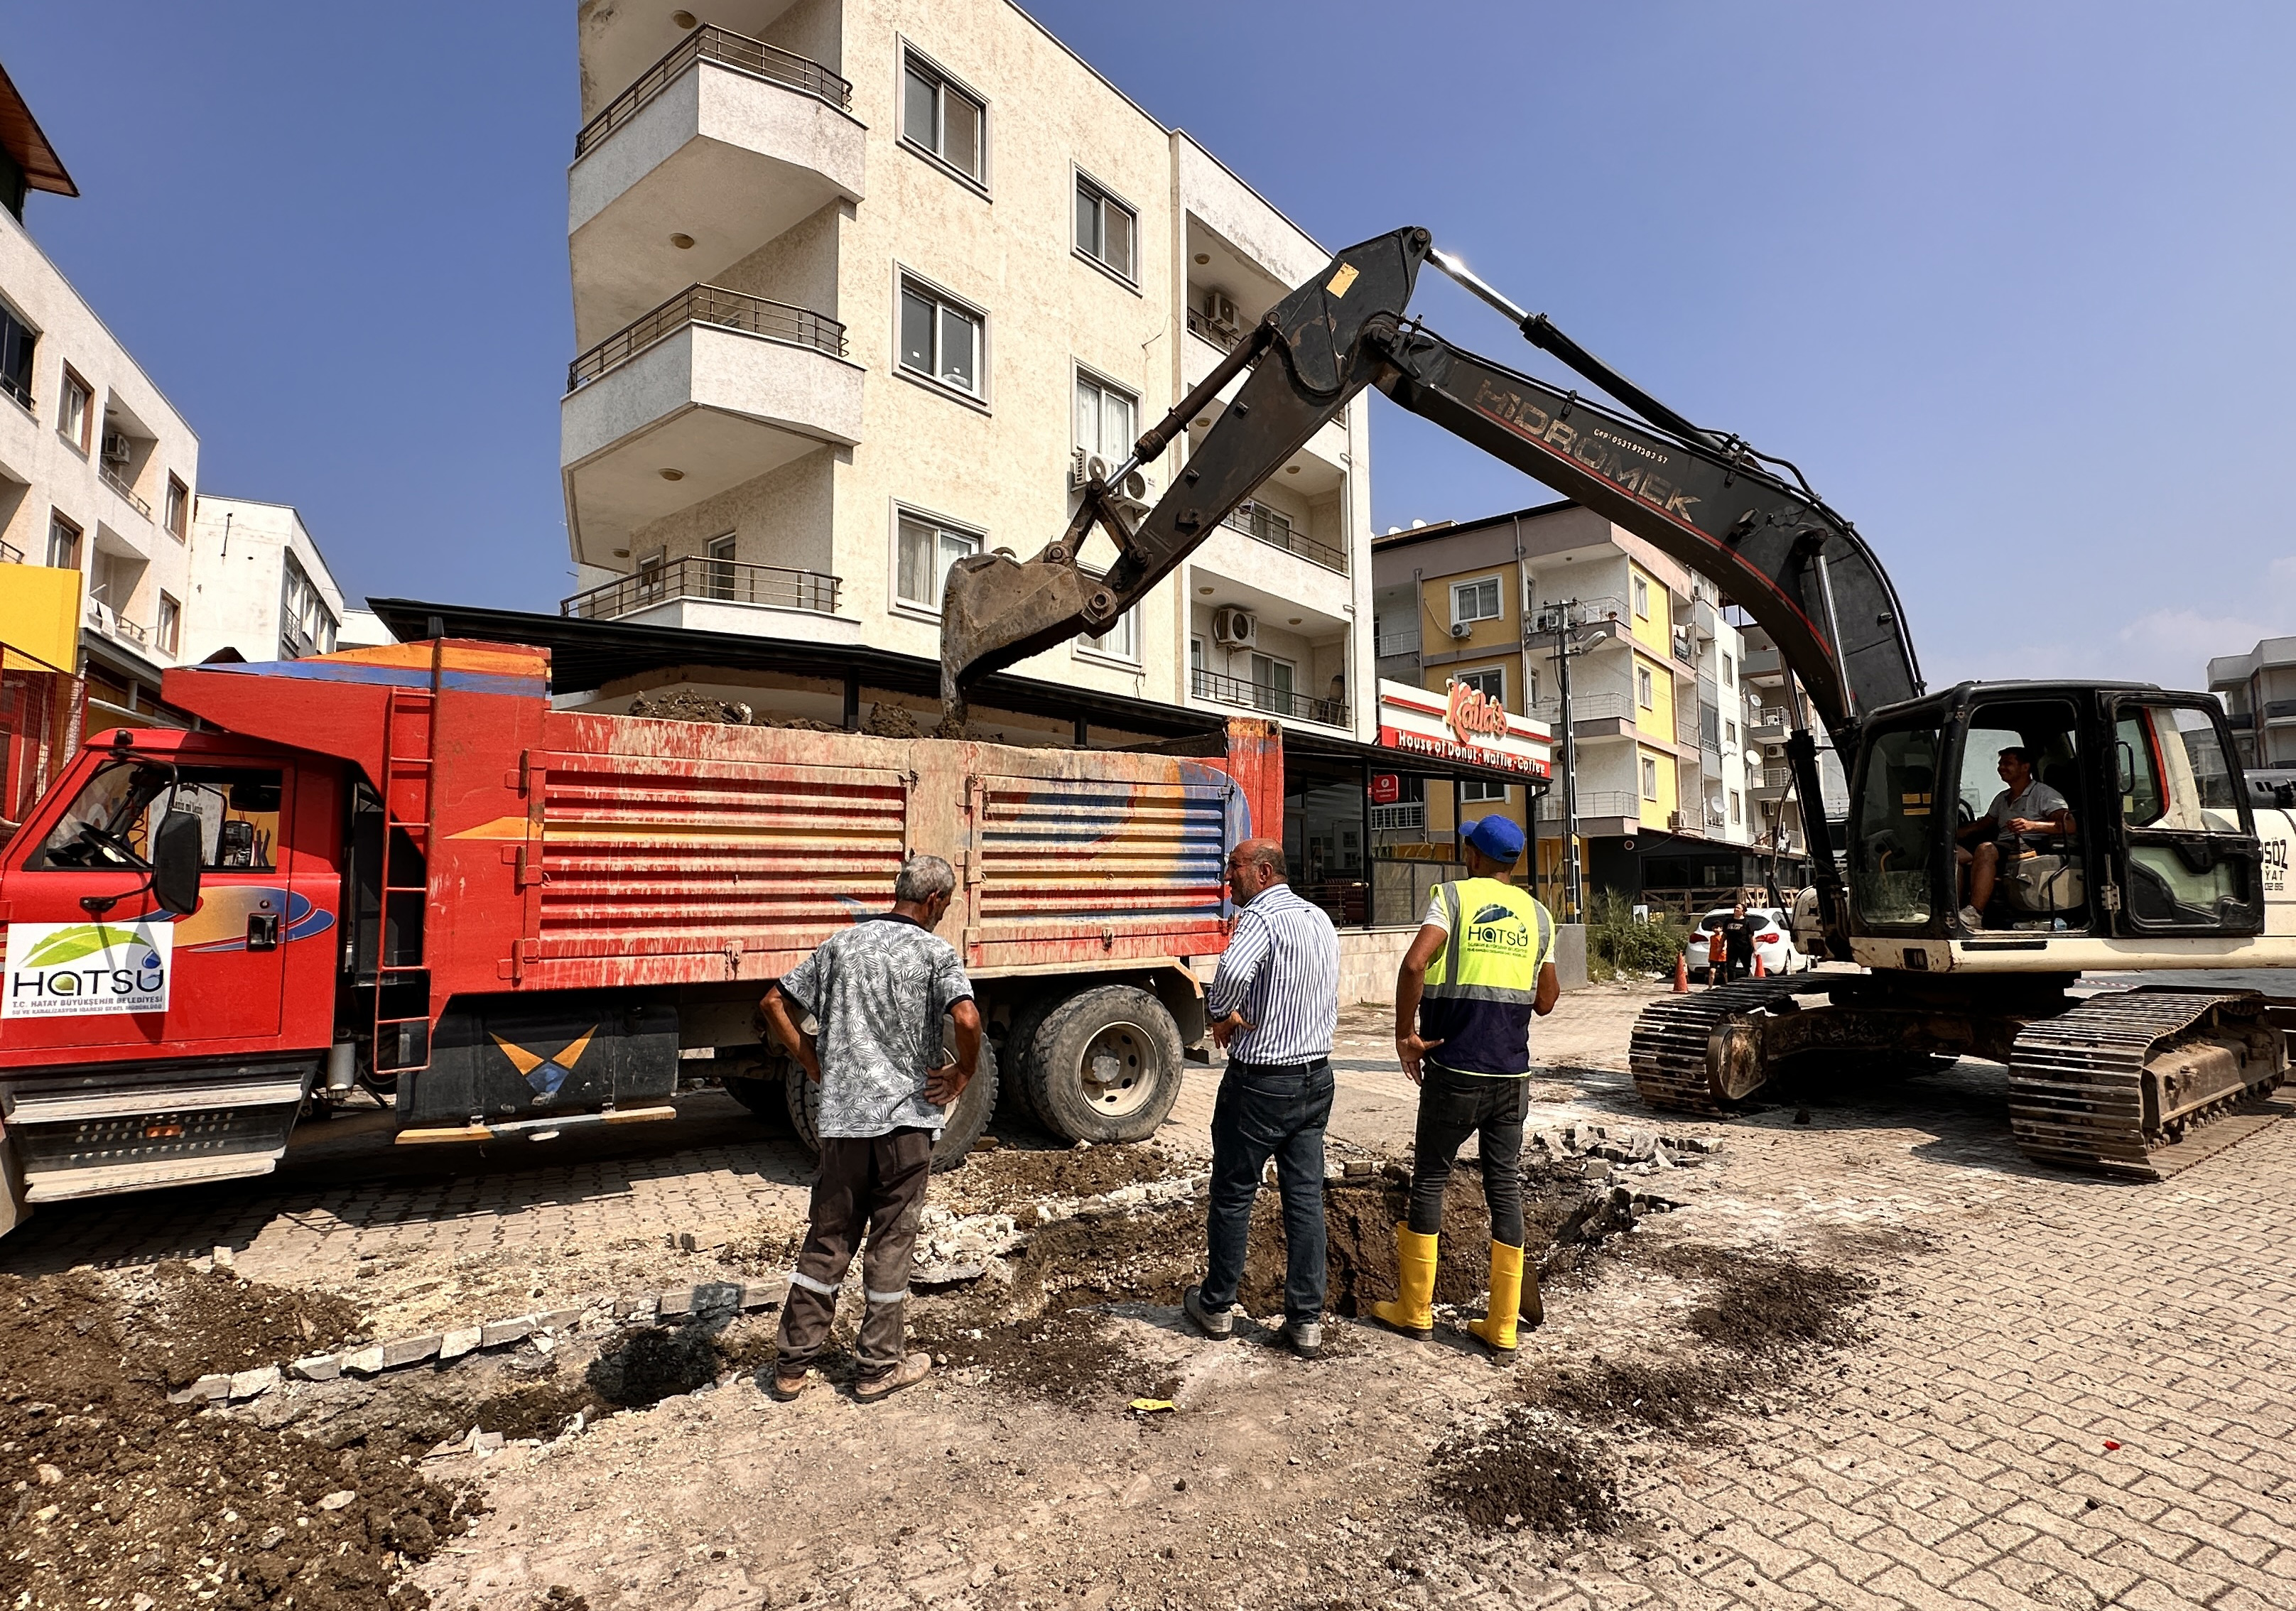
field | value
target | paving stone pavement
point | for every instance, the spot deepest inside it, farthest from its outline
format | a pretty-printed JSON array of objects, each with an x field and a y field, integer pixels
[{"x": 2075, "y": 1392}]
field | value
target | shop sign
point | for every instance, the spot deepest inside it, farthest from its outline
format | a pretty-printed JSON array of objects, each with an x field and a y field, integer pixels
[{"x": 1386, "y": 788}]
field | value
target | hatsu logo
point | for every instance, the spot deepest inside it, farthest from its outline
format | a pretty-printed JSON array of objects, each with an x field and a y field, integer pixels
[
  {"x": 83, "y": 969},
  {"x": 1472, "y": 713}
]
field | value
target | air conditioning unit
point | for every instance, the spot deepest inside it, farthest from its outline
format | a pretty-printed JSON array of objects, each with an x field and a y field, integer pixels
[
  {"x": 1134, "y": 495},
  {"x": 115, "y": 447},
  {"x": 1463, "y": 629},
  {"x": 1234, "y": 629},
  {"x": 1085, "y": 467},
  {"x": 1221, "y": 314}
]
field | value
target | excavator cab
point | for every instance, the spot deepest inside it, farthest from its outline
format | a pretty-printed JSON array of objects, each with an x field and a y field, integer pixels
[{"x": 2158, "y": 839}]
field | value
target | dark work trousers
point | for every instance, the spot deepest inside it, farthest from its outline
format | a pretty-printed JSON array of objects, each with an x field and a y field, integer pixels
[
  {"x": 1740, "y": 964},
  {"x": 1266, "y": 1112},
  {"x": 875, "y": 1186},
  {"x": 1452, "y": 1106}
]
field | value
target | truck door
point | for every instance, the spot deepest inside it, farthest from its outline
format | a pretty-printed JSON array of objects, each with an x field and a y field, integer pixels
[
  {"x": 2188, "y": 860},
  {"x": 92, "y": 963}
]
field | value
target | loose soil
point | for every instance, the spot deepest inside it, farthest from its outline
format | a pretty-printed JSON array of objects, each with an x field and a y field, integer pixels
[
  {"x": 1771, "y": 1304},
  {"x": 191, "y": 1323},
  {"x": 1523, "y": 1472},
  {"x": 120, "y": 1495},
  {"x": 1006, "y": 1178}
]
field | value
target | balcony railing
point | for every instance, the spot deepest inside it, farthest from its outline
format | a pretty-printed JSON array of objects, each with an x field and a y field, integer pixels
[
  {"x": 1204, "y": 329},
  {"x": 1265, "y": 525},
  {"x": 709, "y": 305},
  {"x": 1592, "y": 803},
  {"x": 11, "y": 555},
  {"x": 1396, "y": 643},
  {"x": 1588, "y": 707},
  {"x": 118, "y": 482},
  {"x": 713, "y": 581},
  {"x": 1268, "y": 697},
  {"x": 109, "y": 621},
  {"x": 1776, "y": 777},
  {"x": 1398, "y": 819},
  {"x": 728, "y": 49},
  {"x": 1685, "y": 723},
  {"x": 20, "y": 390}
]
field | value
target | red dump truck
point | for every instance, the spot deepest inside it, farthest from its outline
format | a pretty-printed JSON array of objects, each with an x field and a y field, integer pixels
[{"x": 401, "y": 869}]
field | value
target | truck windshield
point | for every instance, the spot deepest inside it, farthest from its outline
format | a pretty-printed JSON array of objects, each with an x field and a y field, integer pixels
[
  {"x": 111, "y": 821},
  {"x": 1894, "y": 828}
]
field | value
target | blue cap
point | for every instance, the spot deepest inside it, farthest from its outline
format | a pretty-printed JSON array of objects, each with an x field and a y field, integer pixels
[{"x": 1497, "y": 837}]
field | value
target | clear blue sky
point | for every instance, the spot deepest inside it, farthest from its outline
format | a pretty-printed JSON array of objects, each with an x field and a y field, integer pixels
[{"x": 2010, "y": 283}]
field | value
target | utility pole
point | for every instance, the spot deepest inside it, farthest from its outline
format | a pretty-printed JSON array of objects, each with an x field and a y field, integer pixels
[{"x": 1563, "y": 617}]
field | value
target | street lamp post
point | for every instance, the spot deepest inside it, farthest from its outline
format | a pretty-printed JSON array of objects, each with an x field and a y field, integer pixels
[{"x": 1565, "y": 619}]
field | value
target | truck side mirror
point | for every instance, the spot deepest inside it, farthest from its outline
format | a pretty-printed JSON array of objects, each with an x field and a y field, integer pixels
[
  {"x": 176, "y": 862},
  {"x": 2125, "y": 760}
]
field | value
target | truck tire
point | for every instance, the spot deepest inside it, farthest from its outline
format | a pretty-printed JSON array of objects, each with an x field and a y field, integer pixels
[
  {"x": 756, "y": 1084},
  {"x": 966, "y": 1120},
  {"x": 1104, "y": 1066},
  {"x": 1020, "y": 1053}
]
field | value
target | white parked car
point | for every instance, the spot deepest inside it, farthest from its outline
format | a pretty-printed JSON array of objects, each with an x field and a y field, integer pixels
[{"x": 1774, "y": 941}]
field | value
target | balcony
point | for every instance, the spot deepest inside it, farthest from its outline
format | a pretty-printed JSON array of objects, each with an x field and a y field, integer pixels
[
  {"x": 1685, "y": 725},
  {"x": 1272, "y": 527},
  {"x": 1593, "y": 716},
  {"x": 113, "y": 625},
  {"x": 1603, "y": 804},
  {"x": 111, "y": 477},
  {"x": 723, "y": 144},
  {"x": 11, "y": 554},
  {"x": 718, "y": 595},
  {"x": 1266, "y": 697},
  {"x": 712, "y": 389},
  {"x": 1398, "y": 819},
  {"x": 1775, "y": 782},
  {"x": 1397, "y": 644},
  {"x": 1761, "y": 664}
]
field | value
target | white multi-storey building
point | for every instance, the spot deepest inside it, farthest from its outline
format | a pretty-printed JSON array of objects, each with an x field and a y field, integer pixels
[
  {"x": 259, "y": 584},
  {"x": 862, "y": 287},
  {"x": 96, "y": 467}
]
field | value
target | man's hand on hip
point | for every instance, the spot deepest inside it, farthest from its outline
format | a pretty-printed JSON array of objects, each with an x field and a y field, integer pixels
[
  {"x": 1226, "y": 1029},
  {"x": 947, "y": 1082},
  {"x": 1410, "y": 1051}
]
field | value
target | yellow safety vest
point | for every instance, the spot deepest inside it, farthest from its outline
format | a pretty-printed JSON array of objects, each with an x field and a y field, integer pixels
[{"x": 1482, "y": 984}]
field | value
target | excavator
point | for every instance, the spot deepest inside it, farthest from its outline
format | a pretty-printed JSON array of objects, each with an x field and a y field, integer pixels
[{"x": 2166, "y": 858}]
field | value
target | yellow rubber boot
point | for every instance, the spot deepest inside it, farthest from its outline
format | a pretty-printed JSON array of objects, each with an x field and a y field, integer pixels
[
  {"x": 1496, "y": 1329},
  {"x": 1412, "y": 1312}
]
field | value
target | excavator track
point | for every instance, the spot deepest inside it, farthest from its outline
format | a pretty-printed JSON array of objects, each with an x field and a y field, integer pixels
[
  {"x": 1672, "y": 1052},
  {"x": 2078, "y": 1081}
]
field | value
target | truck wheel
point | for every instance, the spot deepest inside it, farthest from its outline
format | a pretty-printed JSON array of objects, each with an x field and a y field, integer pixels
[
  {"x": 1105, "y": 1065},
  {"x": 756, "y": 1085},
  {"x": 1020, "y": 1053},
  {"x": 966, "y": 1120}
]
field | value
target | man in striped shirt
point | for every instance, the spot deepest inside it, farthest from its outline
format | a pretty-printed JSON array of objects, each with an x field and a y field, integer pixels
[{"x": 1273, "y": 1005}]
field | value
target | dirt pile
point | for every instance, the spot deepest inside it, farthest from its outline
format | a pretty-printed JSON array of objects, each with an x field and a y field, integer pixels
[
  {"x": 122, "y": 1498},
  {"x": 190, "y": 1322},
  {"x": 1011, "y": 1178},
  {"x": 684, "y": 705},
  {"x": 1523, "y": 1472}
]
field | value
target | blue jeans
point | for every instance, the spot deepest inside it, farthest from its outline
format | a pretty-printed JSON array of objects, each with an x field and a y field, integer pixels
[{"x": 1264, "y": 1114}]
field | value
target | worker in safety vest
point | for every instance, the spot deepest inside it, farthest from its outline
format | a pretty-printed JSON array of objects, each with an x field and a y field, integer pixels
[{"x": 1482, "y": 965}]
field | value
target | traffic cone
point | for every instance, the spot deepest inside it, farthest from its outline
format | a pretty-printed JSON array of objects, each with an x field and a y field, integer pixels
[
  {"x": 1758, "y": 964},
  {"x": 1682, "y": 974}
]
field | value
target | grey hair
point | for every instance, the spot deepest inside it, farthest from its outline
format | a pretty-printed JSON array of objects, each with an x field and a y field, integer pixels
[{"x": 923, "y": 878}]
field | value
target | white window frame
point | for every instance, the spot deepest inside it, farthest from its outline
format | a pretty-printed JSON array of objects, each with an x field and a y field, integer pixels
[
  {"x": 178, "y": 528},
  {"x": 74, "y": 381},
  {"x": 945, "y": 80},
  {"x": 1498, "y": 600},
  {"x": 1639, "y": 586},
  {"x": 1729, "y": 672},
  {"x": 1645, "y": 688},
  {"x": 1737, "y": 809},
  {"x": 943, "y": 527},
  {"x": 1127, "y": 274},
  {"x": 1650, "y": 779},
  {"x": 905, "y": 280},
  {"x": 1089, "y": 649},
  {"x": 167, "y": 624},
  {"x": 1474, "y": 791},
  {"x": 75, "y": 539},
  {"x": 1082, "y": 374}
]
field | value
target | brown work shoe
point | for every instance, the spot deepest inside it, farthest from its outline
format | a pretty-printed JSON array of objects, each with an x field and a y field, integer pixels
[
  {"x": 908, "y": 1373},
  {"x": 787, "y": 1387}
]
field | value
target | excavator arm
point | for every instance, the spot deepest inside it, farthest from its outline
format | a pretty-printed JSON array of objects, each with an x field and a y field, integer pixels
[{"x": 1771, "y": 544}]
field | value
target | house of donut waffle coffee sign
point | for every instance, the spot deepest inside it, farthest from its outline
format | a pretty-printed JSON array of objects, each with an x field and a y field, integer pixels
[{"x": 1462, "y": 724}]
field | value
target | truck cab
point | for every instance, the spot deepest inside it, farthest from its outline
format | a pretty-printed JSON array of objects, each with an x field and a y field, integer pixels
[{"x": 142, "y": 1046}]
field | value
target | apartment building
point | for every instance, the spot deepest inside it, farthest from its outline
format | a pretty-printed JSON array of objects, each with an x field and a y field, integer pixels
[
  {"x": 863, "y": 287},
  {"x": 96, "y": 467},
  {"x": 2258, "y": 691},
  {"x": 259, "y": 584},
  {"x": 1657, "y": 726}
]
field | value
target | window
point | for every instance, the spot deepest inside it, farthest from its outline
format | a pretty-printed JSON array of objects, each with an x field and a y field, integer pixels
[
  {"x": 119, "y": 812},
  {"x": 1641, "y": 599},
  {"x": 1650, "y": 779},
  {"x": 1196, "y": 656},
  {"x": 1479, "y": 793},
  {"x": 1645, "y": 688},
  {"x": 939, "y": 119},
  {"x": 717, "y": 574},
  {"x": 1729, "y": 671},
  {"x": 1491, "y": 681},
  {"x": 940, "y": 339},
  {"x": 1475, "y": 601},
  {"x": 1121, "y": 641},
  {"x": 64, "y": 543},
  {"x": 77, "y": 414},
  {"x": 1730, "y": 733},
  {"x": 1104, "y": 419},
  {"x": 170, "y": 624},
  {"x": 925, "y": 551},
  {"x": 1271, "y": 683},
  {"x": 1103, "y": 227},
  {"x": 179, "y": 509},
  {"x": 651, "y": 575},
  {"x": 17, "y": 341},
  {"x": 307, "y": 626},
  {"x": 1737, "y": 809}
]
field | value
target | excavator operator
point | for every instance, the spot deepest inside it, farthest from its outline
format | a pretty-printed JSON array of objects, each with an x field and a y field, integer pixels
[{"x": 2027, "y": 806}]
